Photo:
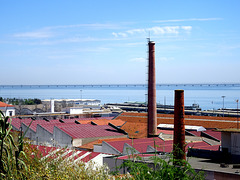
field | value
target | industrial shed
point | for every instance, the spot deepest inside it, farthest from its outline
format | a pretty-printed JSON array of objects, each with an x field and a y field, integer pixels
[{"x": 73, "y": 135}]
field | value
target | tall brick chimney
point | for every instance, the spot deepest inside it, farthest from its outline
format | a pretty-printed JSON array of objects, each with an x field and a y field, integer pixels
[
  {"x": 152, "y": 106},
  {"x": 179, "y": 126}
]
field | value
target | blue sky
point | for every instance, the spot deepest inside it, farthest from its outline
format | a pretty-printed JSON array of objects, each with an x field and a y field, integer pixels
[{"x": 105, "y": 42}]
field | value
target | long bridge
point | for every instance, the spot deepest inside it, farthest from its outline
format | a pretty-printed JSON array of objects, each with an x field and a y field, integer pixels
[{"x": 120, "y": 85}]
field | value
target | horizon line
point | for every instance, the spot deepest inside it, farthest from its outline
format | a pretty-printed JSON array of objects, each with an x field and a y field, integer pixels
[{"x": 113, "y": 84}]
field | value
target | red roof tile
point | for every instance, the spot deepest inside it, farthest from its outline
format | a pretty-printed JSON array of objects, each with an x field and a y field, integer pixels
[
  {"x": 90, "y": 145},
  {"x": 88, "y": 131},
  {"x": 164, "y": 146},
  {"x": 205, "y": 121},
  {"x": 52, "y": 153},
  {"x": 135, "y": 130},
  {"x": 2, "y": 104},
  {"x": 214, "y": 134}
]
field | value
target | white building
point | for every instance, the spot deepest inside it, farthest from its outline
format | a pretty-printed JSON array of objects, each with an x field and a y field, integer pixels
[
  {"x": 89, "y": 102},
  {"x": 7, "y": 109},
  {"x": 56, "y": 105},
  {"x": 74, "y": 110}
]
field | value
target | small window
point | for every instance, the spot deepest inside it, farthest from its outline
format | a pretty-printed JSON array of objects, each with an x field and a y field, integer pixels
[{"x": 10, "y": 113}]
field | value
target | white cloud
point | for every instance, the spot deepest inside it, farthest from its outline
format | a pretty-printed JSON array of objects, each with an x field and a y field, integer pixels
[
  {"x": 154, "y": 30},
  {"x": 50, "y": 31},
  {"x": 122, "y": 34},
  {"x": 187, "y": 28},
  {"x": 165, "y": 30},
  {"x": 115, "y": 34},
  {"x": 91, "y": 26},
  {"x": 133, "y": 31},
  {"x": 138, "y": 60},
  {"x": 166, "y": 58},
  {"x": 35, "y": 35}
]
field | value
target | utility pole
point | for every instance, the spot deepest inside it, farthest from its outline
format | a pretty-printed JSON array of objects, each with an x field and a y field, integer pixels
[
  {"x": 237, "y": 115},
  {"x": 223, "y": 104}
]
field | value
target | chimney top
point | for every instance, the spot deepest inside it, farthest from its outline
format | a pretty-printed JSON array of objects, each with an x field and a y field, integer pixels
[{"x": 151, "y": 42}]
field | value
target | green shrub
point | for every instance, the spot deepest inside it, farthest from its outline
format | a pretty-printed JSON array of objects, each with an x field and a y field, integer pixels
[
  {"x": 167, "y": 168},
  {"x": 10, "y": 162}
]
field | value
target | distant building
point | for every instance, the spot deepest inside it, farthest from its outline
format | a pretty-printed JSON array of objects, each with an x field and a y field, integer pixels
[
  {"x": 73, "y": 110},
  {"x": 7, "y": 109},
  {"x": 56, "y": 105}
]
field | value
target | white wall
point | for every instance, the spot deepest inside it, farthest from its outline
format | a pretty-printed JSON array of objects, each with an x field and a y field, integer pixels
[
  {"x": 8, "y": 111},
  {"x": 76, "y": 111},
  {"x": 77, "y": 142}
]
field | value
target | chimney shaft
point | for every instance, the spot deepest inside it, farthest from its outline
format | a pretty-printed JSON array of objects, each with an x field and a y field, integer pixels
[
  {"x": 152, "y": 109},
  {"x": 179, "y": 126}
]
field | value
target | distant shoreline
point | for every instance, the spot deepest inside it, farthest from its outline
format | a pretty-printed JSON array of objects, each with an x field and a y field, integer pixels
[{"x": 122, "y": 85}]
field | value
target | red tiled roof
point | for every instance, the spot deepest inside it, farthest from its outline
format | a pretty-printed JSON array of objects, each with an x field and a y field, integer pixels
[
  {"x": 99, "y": 141},
  {"x": 164, "y": 146},
  {"x": 88, "y": 131},
  {"x": 165, "y": 131},
  {"x": 135, "y": 130},
  {"x": 214, "y": 134},
  {"x": 16, "y": 123},
  {"x": 102, "y": 121},
  {"x": 53, "y": 152},
  {"x": 205, "y": 121},
  {"x": 2, "y": 104},
  {"x": 196, "y": 133}
]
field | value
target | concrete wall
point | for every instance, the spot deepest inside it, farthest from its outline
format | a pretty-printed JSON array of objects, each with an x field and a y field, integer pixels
[
  {"x": 30, "y": 133},
  {"x": 44, "y": 137},
  {"x": 97, "y": 148},
  {"x": 231, "y": 141},
  {"x": 113, "y": 164},
  {"x": 128, "y": 150},
  {"x": 61, "y": 138},
  {"x": 106, "y": 148},
  {"x": 226, "y": 140},
  {"x": 235, "y": 143}
]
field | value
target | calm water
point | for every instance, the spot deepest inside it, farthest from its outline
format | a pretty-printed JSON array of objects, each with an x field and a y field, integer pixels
[{"x": 207, "y": 96}]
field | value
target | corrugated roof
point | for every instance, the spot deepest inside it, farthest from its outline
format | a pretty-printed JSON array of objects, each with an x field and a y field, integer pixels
[
  {"x": 102, "y": 121},
  {"x": 75, "y": 155},
  {"x": 135, "y": 130},
  {"x": 205, "y": 121},
  {"x": 88, "y": 131},
  {"x": 16, "y": 122},
  {"x": 214, "y": 134},
  {"x": 90, "y": 145},
  {"x": 165, "y": 146}
]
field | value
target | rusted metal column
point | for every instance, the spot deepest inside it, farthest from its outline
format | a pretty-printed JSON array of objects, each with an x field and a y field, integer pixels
[
  {"x": 179, "y": 126},
  {"x": 152, "y": 106}
]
